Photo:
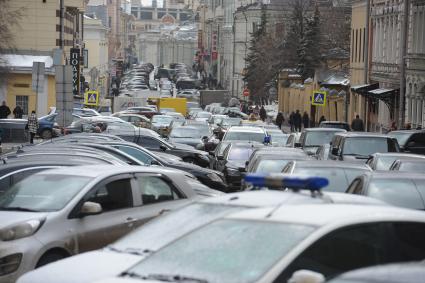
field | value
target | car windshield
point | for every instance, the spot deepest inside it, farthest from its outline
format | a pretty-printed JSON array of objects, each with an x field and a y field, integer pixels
[
  {"x": 334, "y": 125},
  {"x": 161, "y": 119},
  {"x": 270, "y": 166},
  {"x": 157, "y": 233},
  {"x": 401, "y": 137},
  {"x": 42, "y": 192},
  {"x": 339, "y": 178},
  {"x": 278, "y": 136},
  {"x": 203, "y": 115},
  {"x": 227, "y": 250},
  {"x": 183, "y": 132},
  {"x": 227, "y": 122},
  {"x": 317, "y": 138},
  {"x": 399, "y": 192},
  {"x": 385, "y": 162},
  {"x": 414, "y": 167},
  {"x": 244, "y": 136},
  {"x": 240, "y": 153},
  {"x": 365, "y": 146}
]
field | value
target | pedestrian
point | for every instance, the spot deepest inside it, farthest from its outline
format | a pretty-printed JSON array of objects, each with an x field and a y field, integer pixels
[
  {"x": 306, "y": 120},
  {"x": 263, "y": 113},
  {"x": 279, "y": 120},
  {"x": 256, "y": 110},
  {"x": 4, "y": 110},
  {"x": 297, "y": 121},
  {"x": 291, "y": 121},
  {"x": 357, "y": 124},
  {"x": 18, "y": 112},
  {"x": 322, "y": 119},
  {"x": 408, "y": 126},
  {"x": 32, "y": 126},
  {"x": 393, "y": 126}
]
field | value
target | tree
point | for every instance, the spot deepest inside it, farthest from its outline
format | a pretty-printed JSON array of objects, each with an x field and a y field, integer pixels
[
  {"x": 9, "y": 17},
  {"x": 310, "y": 49}
]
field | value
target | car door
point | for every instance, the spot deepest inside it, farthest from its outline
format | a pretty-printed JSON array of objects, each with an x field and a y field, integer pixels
[
  {"x": 416, "y": 143},
  {"x": 222, "y": 159},
  {"x": 341, "y": 250},
  {"x": 158, "y": 195},
  {"x": 118, "y": 217}
]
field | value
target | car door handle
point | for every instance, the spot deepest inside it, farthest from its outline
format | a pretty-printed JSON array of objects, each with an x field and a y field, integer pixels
[
  {"x": 130, "y": 220},
  {"x": 164, "y": 211}
]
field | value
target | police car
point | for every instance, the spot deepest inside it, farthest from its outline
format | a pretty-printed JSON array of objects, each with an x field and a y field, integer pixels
[
  {"x": 154, "y": 236},
  {"x": 270, "y": 244}
]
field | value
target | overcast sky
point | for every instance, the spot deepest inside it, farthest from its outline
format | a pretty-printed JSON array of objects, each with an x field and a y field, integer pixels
[{"x": 149, "y": 3}]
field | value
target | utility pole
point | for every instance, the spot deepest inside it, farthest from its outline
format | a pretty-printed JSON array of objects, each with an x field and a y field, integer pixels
[
  {"x": 366, "y": 57},
  {"x": 403, "y": 49}
]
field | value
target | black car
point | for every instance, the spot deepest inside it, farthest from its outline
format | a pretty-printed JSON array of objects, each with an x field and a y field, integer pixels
[
  {"x": 187, "y": 153},
  {"x": 402, "y": 189},
  {"x": 232, "y": 162},
  {"x": 208, "y": 177},
  {"x": 335, "y": 125},
  {"x": 412, "y": 141}
]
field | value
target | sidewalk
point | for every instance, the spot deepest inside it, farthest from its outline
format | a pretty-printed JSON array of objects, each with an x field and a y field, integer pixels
[{"x": 7, "y": 147}]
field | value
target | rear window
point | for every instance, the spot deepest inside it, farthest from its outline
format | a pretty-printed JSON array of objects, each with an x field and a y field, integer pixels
[
  {"x": 336, "y": 176},
  {"x": 365, "y": 146},
  {"x": 406, "y": 166},
  {"x": 240, "y": 153},
  {"x": 400, "y": 192},
  {"x": 318, "y": 138}
]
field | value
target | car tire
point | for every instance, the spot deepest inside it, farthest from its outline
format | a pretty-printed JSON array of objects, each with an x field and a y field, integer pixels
[
  {"x": 49, "y": 258},
  {"x": 46, "y": 134}
]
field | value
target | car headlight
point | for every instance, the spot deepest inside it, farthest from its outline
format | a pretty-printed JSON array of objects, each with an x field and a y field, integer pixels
[
  {"x": 233, "y": 171},
  {"x": 214, "y": 177},
  {"x": 21, "y": 230}
]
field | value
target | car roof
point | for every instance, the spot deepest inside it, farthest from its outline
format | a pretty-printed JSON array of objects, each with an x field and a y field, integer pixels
[
  {"x": 406, "y": 272},
  {"x": 246, "y": 129},
  {"x": 395, "y": 175},
  {"x": 334, "y": 122},
  {"x": 245, "y": 144},
  {"x": 324, "y": 214},
  {"x": 107, "y": 170},
  {"x": 331, "y": 164},
  {"x": 324, "y": 130},
  {"x": 273, "y": 197},
  {"x": 398, "y": 154},
  {"x": 362, "y": 135},
  {"x": 407, "y": 131}
]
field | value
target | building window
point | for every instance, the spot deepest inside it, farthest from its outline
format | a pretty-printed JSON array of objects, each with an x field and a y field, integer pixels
[
  {"x": 352, "y": 46},
  {"x": 22, "y": 101},
  {"x": 146, "y": 15},
  {"x": 110, "y": 22},
  {"x": 355, "y": 51},
  {"x": 364, "y": 43}
]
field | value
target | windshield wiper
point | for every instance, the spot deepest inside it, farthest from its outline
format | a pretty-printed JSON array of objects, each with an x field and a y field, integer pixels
[
  {"x": 132, "y": 251},
  {"x": 164, "y": 277},
  {"x": 18, "y": 208}
]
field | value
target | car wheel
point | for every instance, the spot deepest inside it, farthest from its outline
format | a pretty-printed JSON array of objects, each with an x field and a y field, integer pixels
[
  {"x": 46, "y": 134},
  {"x": 189, "y": 160},
  {"x": 49, "y": 258}
]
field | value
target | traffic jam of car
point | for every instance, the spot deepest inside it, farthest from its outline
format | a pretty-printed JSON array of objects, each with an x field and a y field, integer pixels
[{"x": 207, "y": 193}]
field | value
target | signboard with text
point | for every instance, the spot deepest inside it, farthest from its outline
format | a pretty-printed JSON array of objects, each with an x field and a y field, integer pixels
[{"x": 75, "y": 64}]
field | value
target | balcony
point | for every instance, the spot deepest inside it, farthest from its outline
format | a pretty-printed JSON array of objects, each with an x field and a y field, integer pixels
[
  {"x": 78, "y": 4},
  {"x": 385, "y": 71}
]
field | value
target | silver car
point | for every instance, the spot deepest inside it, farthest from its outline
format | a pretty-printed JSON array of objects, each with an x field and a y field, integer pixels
[{"x": 61, "y": 212}]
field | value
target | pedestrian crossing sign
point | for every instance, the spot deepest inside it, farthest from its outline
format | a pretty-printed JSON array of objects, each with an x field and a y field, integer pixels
[
  {"x": 318, "y": 98},
  {"x": 91, "y": 98}
]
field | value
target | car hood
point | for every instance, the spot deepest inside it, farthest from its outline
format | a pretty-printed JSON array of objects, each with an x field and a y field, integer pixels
[
  {"x": 84, "y": 268},
  {"x": 8, "y": 218},
  {"x": 160, "y": 124},
  {"x": 188, "y": 148},
  {"x": 236, "y": 164},
  {"x": 192, "y": 167},
  {"x": 189, "y": 141}
]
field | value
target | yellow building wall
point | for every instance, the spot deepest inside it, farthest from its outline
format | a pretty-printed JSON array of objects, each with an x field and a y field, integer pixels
[{"x": 20, "y": 85}]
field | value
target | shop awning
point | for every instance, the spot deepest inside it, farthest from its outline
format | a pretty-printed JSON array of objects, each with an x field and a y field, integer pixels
[{"x": 363, "y": 89}]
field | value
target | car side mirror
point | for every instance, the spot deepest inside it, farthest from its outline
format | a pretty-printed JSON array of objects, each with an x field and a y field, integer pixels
[
  {"x": 306, "y": 276},
  {"x": 335, "y": 151},
  {"x": 163, "y": 147},
  {"x": 90, "y": 208},
  {"x": 297, "y": 144}
]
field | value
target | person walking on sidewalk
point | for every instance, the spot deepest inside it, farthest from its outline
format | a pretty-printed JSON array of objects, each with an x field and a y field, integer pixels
[
  {"x": 4, "y": 110},
  {"x": 18, "y": 112},
  {"x": 297, "y": 121},
  {"x": 32, "y": 126},
  {"x": 263, "y": 113},
  {"x": 357, "y": 124},
  {"x": 291, "y": 121},
  {"x": 280, "y": 120},
  {"x": 306, "y": 120}
]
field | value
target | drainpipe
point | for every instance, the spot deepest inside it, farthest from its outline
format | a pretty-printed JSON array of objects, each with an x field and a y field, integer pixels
[
  {"x": 61, "y": 33},
  {"x": 403, "y": 50}
]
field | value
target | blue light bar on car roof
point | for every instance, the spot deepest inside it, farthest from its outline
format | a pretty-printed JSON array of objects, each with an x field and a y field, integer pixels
[{"x": 287, "y": 181}]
